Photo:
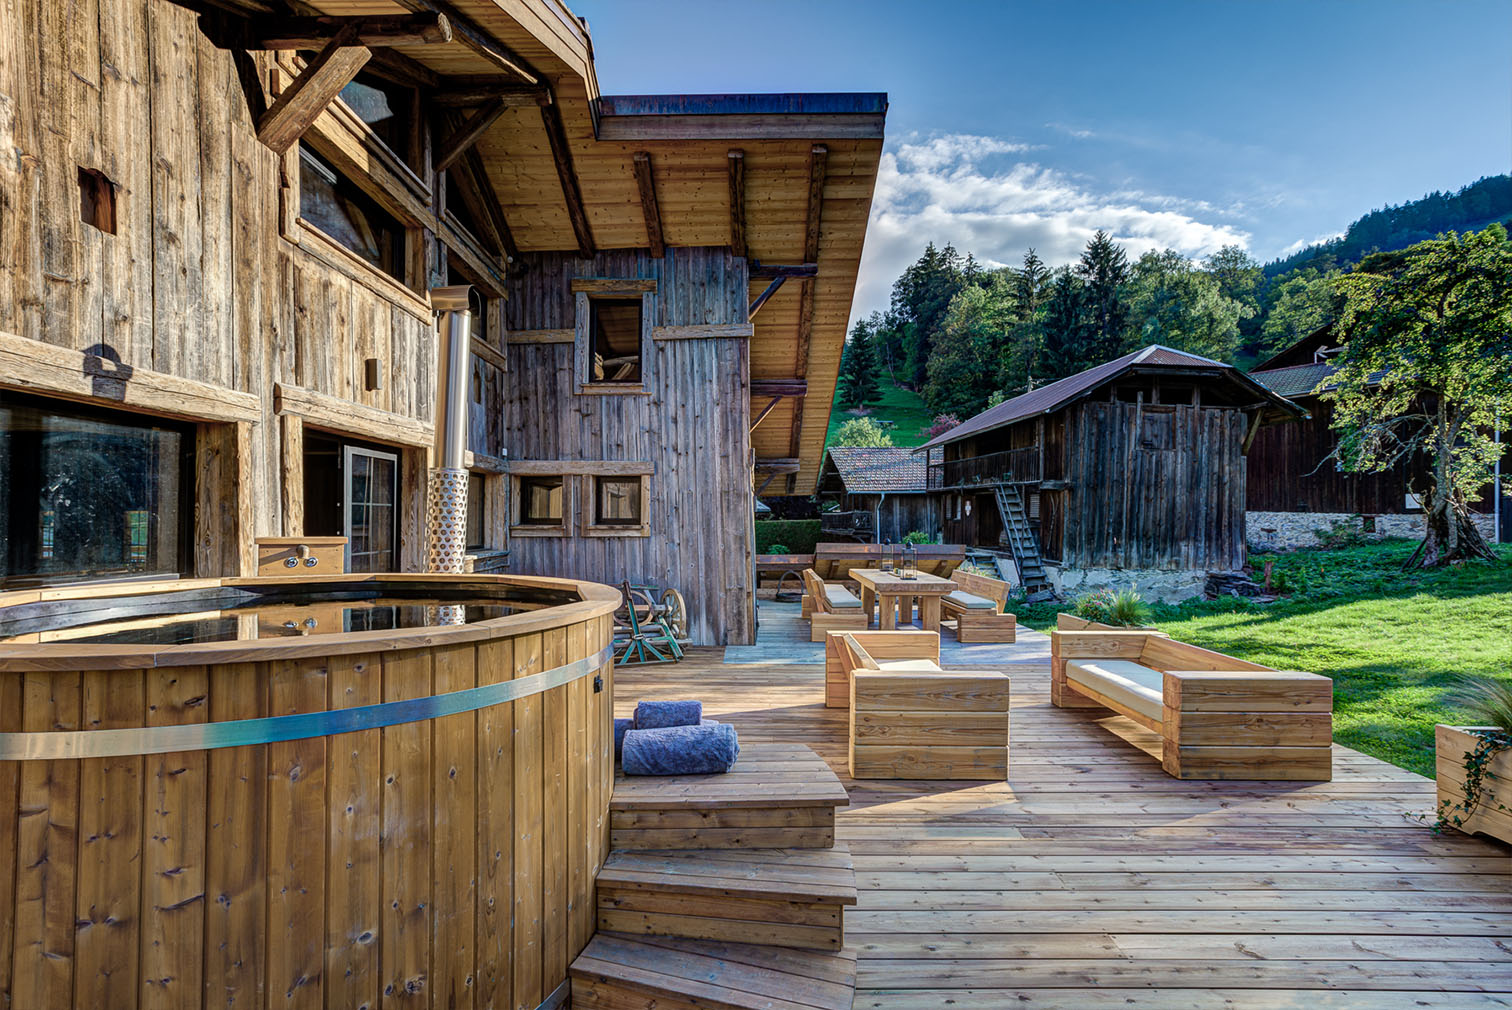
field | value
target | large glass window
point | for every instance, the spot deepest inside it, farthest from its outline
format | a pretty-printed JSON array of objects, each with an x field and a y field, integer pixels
[
  {"x": 540, "y": 501},
  {"x": 89, "y": 494},
  {"x": 335, "y": 205}
]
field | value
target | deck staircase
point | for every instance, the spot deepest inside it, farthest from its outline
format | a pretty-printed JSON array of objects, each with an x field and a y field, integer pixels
[
  {"x": 724, "y": 892},
  {"x": 1021, "y": 540}
]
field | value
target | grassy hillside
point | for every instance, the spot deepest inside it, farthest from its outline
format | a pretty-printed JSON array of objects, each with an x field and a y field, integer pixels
[{"x": 900, "y": 410}]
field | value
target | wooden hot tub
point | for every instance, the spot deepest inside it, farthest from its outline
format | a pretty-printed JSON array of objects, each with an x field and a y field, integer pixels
[{"x": 293, "y": 814}]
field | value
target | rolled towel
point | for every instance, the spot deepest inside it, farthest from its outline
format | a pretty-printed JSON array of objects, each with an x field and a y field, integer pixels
[
  {"x": 681, "y": 750},
  {"x": 622, "y": 725},
  {"x": 657, "y": 714}
]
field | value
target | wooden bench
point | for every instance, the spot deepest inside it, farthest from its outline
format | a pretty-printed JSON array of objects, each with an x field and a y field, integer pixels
[
  {"x": 977, "y": 608},
  {"x": 834, "y": 561},
  {"x": 830, "y": 608},
  {"x": 1218, "y": 717},
  {"x": 910, "y": 719}
]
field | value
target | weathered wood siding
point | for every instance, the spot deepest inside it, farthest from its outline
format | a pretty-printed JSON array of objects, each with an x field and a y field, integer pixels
[
  {"x": 197, "y": 281},
  {"x": 901, "y": 514},
  {"x": 1154, "y": 487},
  {"x": 1290, "y": 471},
  {"x": 693, "y": 428}
]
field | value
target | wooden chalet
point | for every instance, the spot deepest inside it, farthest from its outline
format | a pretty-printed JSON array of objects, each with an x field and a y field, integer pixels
[
  {"x": 220, "y": 231},
  {"x": 881, "y": 492},
  {"x": 1138, "y": 463},
  {"x": 1297, "y": 487}
]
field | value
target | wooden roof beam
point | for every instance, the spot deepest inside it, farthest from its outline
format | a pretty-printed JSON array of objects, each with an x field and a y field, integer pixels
[
  {"x": 561, "y": 154},
  {"x": 778, "y": 387},
  {"x": 480, "y": 91},
  {"x": 649, "y": 209},
  {"x": 465, "y": 136},
  {"x": 467, "y": 32},
  {"x": 737, "y": 203},
  {"x": 818, "y": 166},
  {"x": 373, "y": 30},
  {"x": 302, "y": 102},
  {"x": 778, "y": 465},
  {"x": 759, "y": 270}
]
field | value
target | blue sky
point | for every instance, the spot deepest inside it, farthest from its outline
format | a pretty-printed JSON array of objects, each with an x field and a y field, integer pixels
[{"x": 1184, "y": 125}]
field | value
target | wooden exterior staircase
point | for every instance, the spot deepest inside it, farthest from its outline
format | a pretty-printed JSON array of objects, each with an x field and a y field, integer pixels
[
  {"x": 724, "y": 892},
  {"x": 1021, "y": 539}
]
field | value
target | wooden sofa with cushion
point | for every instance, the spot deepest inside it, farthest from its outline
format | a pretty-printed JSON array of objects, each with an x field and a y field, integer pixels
[
  {"x": 830, "y": 608},
  {"x": 910, "y": 719},
  {"x": 1218, "y": 717},
  {"x": 977, "y": 609}
]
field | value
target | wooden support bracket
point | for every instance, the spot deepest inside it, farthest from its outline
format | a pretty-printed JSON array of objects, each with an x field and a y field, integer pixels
[
  {"x": 765, "y": 411},
  {"x": 761, "y": 299},
  {"x": 647, "y": 185},
  {"x": 306, "y": 98},
  {"x": 475, "y": 38},
  {"x": 465, "y": 136}
]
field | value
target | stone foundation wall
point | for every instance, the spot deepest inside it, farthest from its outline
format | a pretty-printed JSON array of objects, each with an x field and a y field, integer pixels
[
  {"x": 1155, "y": 585},
  {"x": 1284, "y": 531}
]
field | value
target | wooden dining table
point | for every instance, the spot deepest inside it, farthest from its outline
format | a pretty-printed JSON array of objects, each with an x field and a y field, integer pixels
[{"x": 895, "y": 592}]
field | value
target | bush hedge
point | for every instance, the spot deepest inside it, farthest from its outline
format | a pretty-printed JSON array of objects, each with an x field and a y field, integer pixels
[{"x": 798, "y": 535}]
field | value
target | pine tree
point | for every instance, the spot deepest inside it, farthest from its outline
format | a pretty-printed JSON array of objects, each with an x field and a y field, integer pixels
[
  {"x": 1105, "y": 269},
  {"x": 858, "y": 368},
  {"x": 1063, "y": 326}
]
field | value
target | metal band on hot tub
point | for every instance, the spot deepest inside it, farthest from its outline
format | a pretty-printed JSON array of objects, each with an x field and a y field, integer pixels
[{"x": 102, "y": 743}]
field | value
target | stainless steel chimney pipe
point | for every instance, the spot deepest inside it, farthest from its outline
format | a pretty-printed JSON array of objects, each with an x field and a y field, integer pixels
[{"x": 447, "y": 504}]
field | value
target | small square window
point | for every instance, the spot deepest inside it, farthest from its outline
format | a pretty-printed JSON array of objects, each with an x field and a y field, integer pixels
[
  {"x": 541, "y": 501},
  {"x": 614, "y": 333},
  {"x": 616, "y": 506},
  {"x": 332, "y": 203},
  {"x": 477, "y": 508}
]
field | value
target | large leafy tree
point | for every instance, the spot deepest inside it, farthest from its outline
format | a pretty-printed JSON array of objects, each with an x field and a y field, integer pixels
[
  {"x": 863, "y": 432},
  {"x": 1427, "y": 369},
  {"x": 1240, "y": 277},
  {"x": 1173, "y": 303},
  {"x": 1300, "y": 306},
  {"x": 1104, "y": 268},
  {"x": 858, "y": 368},
  {"x": 963, "y": 370}
]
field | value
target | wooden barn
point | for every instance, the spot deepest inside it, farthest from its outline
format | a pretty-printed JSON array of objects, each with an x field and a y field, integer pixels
[
  {"x": 221, "y": 227},
  {"x": 1136, "y": 464},
  {"x": 881, "y": 492},
  {"x": 1296, "y": 488}
]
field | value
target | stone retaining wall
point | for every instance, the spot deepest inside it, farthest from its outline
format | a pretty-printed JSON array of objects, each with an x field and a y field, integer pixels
[
  {"x": 1284, "y": 531},
  {"x": 1155, "y": 585}
]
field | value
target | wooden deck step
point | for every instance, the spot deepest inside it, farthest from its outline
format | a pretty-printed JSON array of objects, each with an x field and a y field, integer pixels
[
  {"x": 619, "y": 972},
  {"x": 778, "y": 796},
  {"x": 783, "y": 897}
]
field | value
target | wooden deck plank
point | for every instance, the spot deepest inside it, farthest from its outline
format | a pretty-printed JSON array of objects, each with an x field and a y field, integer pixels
[{"x": 1090, "y": 880}]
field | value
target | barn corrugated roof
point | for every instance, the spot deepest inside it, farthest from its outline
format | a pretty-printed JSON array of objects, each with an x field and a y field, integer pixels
[
  {"x": 1295, "y": 380},
  {"x": 1056, "y": 394},
  {"x": 888, "y": 468}
]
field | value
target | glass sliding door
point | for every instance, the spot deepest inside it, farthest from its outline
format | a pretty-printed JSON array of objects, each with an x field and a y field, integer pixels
[{"x": 371, "y": 512}]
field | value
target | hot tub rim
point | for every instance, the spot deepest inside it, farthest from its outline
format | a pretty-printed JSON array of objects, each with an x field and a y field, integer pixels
[{"x": 598, "y": 600}]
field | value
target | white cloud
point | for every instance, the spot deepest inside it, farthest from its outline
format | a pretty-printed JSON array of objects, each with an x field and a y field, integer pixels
[
  {"x": 1303, "y": 243},
  {"x": 939, "y": 190},
  {"x": 1078, "y": 132}
]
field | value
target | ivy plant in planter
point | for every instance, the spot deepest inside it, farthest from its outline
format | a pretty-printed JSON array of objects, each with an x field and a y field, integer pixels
[{"x": 1474, "y": 765}]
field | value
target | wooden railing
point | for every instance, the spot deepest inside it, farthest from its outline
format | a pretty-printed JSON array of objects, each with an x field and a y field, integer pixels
[{"x": 1014, "y": 465}]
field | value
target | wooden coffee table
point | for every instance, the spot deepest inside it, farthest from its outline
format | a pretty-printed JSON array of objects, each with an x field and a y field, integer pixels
[{"x": 892, "y": 590}]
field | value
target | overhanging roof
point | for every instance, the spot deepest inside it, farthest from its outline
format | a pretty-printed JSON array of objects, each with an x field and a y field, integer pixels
[{"x": 873, "y": 469}]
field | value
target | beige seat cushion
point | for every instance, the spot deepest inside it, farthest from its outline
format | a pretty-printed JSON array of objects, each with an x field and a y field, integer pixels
[
  {"x": 909, "y": 666},
  {"x": 1139, "y": 688},
  {"x": 970, "y": 600},
  {"x": 841, "y": 598}
]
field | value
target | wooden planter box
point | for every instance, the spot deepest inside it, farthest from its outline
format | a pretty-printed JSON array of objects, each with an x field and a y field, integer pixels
[
  {"x": 1070, "y": 622},
  {"x": 1452, "y": 744}
]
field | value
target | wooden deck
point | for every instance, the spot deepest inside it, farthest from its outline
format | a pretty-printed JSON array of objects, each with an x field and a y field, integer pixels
[{"x": 1092, "y": 880}]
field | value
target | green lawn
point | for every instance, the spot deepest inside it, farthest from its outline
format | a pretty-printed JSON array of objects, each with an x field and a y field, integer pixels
[
  {"x": 1394, "y": 642},
  {"x": 903, "y": 408}
]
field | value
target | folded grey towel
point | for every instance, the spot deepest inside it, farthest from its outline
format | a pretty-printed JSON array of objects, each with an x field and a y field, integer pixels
[
  {"x": 681, "y": 750},
  {"x": 656, "y": 714}
]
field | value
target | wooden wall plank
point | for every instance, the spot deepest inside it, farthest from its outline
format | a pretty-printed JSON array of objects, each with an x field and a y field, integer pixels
[
  {"x": 529, "y": 855},
  {"x": 354, "y": 898},
  {"x": 404, "y": 933},
  {"x": 495, "y": 859},
  {"x": 454, "y": 854}
]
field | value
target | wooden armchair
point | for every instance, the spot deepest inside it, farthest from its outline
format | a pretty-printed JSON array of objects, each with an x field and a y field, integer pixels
[
  {"x": 830, "y": 608},
  {"x": 1218, "y": 717},
  {"x": 977, "y": 608}
]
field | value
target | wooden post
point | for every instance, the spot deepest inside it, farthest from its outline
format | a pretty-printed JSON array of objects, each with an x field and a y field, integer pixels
[{"x": 322, "y": 80}]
